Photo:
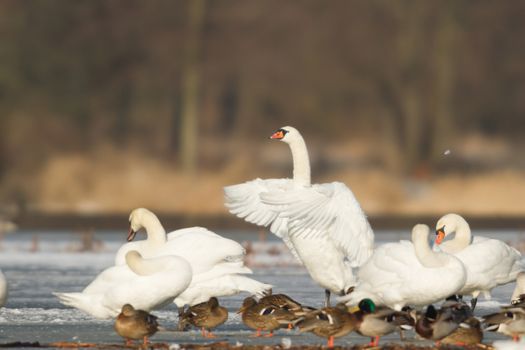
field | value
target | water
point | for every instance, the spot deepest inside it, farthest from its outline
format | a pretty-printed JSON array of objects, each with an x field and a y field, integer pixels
[{"x": 33, "y": 314}]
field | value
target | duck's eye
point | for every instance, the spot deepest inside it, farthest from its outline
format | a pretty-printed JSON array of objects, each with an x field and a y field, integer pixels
[{"x": 509, "y": 314}]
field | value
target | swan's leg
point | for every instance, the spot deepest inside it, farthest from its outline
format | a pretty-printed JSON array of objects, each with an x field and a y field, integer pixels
[
  {"x": 473, "y": 303},
  {"x": 327, "y": 298}
]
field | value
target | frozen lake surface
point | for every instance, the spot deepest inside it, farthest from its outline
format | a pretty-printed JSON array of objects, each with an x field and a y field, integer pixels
[{"x": 36, "y": 267}]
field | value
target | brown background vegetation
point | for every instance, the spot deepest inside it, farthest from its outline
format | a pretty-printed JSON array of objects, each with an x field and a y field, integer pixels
[{"x": 110, "y": 105}]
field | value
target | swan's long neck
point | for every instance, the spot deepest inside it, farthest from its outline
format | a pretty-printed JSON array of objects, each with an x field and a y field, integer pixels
[
  {"x": 145, "y": 267},
  {"x": 154, "y": 230},
  {"x": 301, "y": 162},
  {"x": 424, "y": 253},
  {"x": 462, "y": 238}
]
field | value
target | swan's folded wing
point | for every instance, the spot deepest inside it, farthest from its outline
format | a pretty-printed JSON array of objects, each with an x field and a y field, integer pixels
[
  {"x": 326, "y": 210},
  {"x": 244, "y": 201}
]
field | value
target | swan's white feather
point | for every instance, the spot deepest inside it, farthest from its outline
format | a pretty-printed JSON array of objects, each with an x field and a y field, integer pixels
[
  {"x": 329, "y": 210},
  {"x": 119, "y": 285},
  {"x": 489, "y": 263},
  {"x": 244, "y": 201},
  {"x": 393, "y": 276}
]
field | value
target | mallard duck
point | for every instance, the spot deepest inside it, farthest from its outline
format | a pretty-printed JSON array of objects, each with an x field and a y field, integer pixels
[
  {"x": 436, "y": 325},
  {"x": 510, "y": 321},
  {"x": 328, "y": 322},
  {"x": 205, "y": 315},
  {"x": 135, "y": 324},
  {"x": 284, "y": 302},
  {"x": 468, "y": 333},
  {"x": 264, "y": 317},
  {"x": 375, "y": 322}
]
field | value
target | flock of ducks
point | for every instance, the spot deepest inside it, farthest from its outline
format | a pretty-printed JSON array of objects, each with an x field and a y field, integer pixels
[{"x": 381, "y": 289}]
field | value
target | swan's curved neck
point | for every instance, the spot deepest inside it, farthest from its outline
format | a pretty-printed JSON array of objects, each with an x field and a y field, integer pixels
[
  {"x": 154, "y": 230},
  {"x": 462, "y": 237},
  {"x": 424, "y": 253},
  {"x": 145, "y": 267},
  {"x": 301, "y": 162}
]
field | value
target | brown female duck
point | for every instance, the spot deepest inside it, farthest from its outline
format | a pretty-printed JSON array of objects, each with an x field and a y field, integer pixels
[
  {"x": 468, "y": 333},
  {"x": 263, "y": 316},
  {"x": 135, "y": 324},
  {"x": 206, "y": 316},
  {"x": 328, "y": 322}
]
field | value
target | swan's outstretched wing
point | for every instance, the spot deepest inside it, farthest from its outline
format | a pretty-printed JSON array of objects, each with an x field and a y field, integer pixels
[
  {"x": 244, "y": 201},
  {"x": 326, "y": 210}
]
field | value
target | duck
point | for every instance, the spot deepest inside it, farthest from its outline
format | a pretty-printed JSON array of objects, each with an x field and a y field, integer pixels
[
  {"x": 146, "y": 284},
  {"x": 375, "y": 322},
  {"x": 509, "y": 321},
  {"x": 323, "y": 225},
  {"x": 489, "y": 262},
  {"x": 217, "y": 263},
  {"x": 135, "y": 324},
  {"x": 329, "y": 323},
  {"x": 469, "y": 332},
  {"x": 284, "y": 302},
  {"x": 437, "y": 324},
  {"x": 408, "y": 273},
  {"x": 264, "y": 317},
  {"x": 205, "y": 315}
]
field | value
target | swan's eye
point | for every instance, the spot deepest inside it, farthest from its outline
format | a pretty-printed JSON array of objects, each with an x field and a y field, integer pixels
[{"x": 279, "y": 134}]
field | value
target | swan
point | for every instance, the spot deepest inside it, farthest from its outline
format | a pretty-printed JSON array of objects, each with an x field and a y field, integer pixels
[
  {"x": 489, "y": 262},
  {"x": 202, "y": 248},
  {"x": 408, "y": 273},
  {"x": 217, "y": 262},
  {"x": 322, "y": 224},
  {"x": 3, "y": 289},
  {"x": 518, "y": 295},
  {"x": 144, "y": 283}
]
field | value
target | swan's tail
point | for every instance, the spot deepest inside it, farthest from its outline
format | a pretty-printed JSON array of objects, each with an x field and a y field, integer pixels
[
  {"x": 82, "y": 302},
  {"x": 246, "y": 284}
]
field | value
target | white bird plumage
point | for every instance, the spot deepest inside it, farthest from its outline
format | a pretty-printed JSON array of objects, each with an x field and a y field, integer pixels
[
  {"x": 408, "y": 273},
  {"x": 217, "y": 262},
  {"x": 489, "y": 262},
  {"x": 322, "y": 224},
  {"x": 146, "y": 284}
]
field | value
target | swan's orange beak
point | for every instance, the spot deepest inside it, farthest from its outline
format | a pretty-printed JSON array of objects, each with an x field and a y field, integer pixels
[
  {"x": 131, "y": 234},
  {"x": 440, "y": 235},
  {"x": 279, "y": 134}
]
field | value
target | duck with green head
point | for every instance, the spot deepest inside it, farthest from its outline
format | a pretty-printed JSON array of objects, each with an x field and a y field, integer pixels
[{"x": 375, "y": 322}]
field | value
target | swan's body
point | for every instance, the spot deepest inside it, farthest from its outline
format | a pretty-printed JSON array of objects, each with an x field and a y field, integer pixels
[
  {"x": 216, "y": 262},
  {"x": 3, "y": 289},
  {"x": 146, "y": 284},
  {"x": 489, "y": 262},
  {"x": 202, "y": 248},
  {"x": 323, "y": 225},
  {"x": 408, "y": 273}
]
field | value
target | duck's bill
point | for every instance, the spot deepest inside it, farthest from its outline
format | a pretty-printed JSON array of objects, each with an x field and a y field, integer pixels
[
  {"x": 440, "y": 235},
  {"x": 131, "y": 235},
  {"x": 279, "y": 134},
  {"x": 241, "y": 310}
]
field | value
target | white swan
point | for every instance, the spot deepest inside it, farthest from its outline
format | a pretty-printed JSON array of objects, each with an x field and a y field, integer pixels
[
  {"x": 489, "y": 262},
  {"x": 408, "y": 273},
  {"x": 144, "y": 283},
  {"x": 322, "y": 224},
  {"x": 202, "y": 248},
  {"x": 3, "y": 289},
  {"x": 519, "y": 290},
  {"x": 217, "y": 262}
]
